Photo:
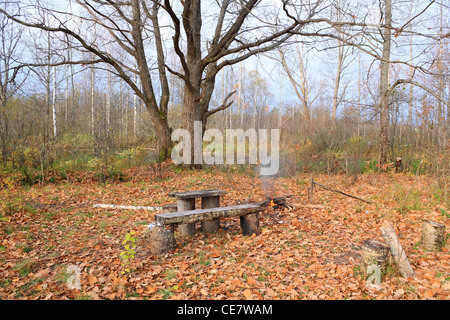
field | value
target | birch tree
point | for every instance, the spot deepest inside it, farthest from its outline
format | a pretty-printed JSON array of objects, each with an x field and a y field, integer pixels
[
  {"x": 124, "y": 25},
  {"x": 359, "y": 29},
  {"x": 11, "y": 78},
  {"x": 240, "y": 29},
  {"x": 296, "y": 68}
]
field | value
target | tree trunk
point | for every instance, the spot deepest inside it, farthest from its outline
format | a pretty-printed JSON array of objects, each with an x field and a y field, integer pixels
[
  {"x": 108, "y": 106},
  {"x": 92, "y": 102},
  {"x": 4, "y": 126},
  {"x": 55, "y": 131},
  {"x": 157, "y": 116},
  {"x": 337, "y": 82},
  {"x": 384, "y": 85},
  {"x": 191, "y": 113},
  {"x": 192, "y": 22}
]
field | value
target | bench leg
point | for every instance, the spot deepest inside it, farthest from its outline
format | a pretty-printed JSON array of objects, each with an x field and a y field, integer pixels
[
  {"x": 187, "y": 229},
  {"x": 250, "y": 224},
  {"x": 214, "y": 225},
  {"x": 161, "y": 240}
]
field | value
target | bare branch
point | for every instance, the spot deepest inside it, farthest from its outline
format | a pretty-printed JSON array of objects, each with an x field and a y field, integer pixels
[
  {"x": 225, "y": 105},
  {"x": 176, "y": 40}
]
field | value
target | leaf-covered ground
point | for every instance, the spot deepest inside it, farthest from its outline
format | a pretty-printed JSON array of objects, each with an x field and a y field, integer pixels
[{"x": 305, "y": 253}]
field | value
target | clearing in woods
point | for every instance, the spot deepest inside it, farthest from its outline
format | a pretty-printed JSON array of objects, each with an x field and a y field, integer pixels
[{"x": 303, "y": 253}]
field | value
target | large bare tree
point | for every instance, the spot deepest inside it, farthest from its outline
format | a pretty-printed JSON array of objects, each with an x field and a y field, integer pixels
[
  {"x": 240, "y": 29},
  {"x": 124, "y": 25}
]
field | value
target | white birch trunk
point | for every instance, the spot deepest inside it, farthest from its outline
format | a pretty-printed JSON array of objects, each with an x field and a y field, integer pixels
[
  {"x": 108, "y": 104},
  {"x": 135, "y": 114},
  {"x": 398, "y": 254},
  {"x": 54, "y": 104},
  {"x": 92, "y": 103}
]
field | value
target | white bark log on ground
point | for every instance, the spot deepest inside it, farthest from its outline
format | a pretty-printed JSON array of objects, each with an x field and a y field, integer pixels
[
  {"x": 398, "y": 254},
  {"x": 113, "y": 206}
]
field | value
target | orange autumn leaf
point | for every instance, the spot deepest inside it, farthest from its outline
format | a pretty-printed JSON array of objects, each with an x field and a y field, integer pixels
[
  {"x": 92, "y": 280},
  {"x": 184, "y": 267},
  {"x": 247, "y": 293},
  {"x": 428, "y": 293}
]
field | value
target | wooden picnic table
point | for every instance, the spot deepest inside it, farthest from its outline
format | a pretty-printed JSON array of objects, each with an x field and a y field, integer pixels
[
  {"x": 184, "y": 215},
  {"x": 186, "y": 201}
]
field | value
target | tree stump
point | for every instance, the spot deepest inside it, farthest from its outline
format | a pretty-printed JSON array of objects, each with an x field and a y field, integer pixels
[
  {"x": 186, "y": 229},
  {"x": 433, "y": 234},
  {"x": 161, "y": 239},
  {"x": 214, "y": 225},
  {"x": 374, "y": 253},
  {"x": 250, "y": 224},
  {"x": 398, "y": 164}
]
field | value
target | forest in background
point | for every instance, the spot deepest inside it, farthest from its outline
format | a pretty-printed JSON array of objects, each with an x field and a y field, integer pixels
[{"x": 67, "y": 107}]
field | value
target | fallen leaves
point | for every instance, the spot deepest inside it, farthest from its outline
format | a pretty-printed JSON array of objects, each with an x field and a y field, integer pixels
[{"x": 311, "y": 252}]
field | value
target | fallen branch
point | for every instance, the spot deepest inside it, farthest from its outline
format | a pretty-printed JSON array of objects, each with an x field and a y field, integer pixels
[
  {"x": 345, "y": 194},
  {"x": 113, "y": 206}
]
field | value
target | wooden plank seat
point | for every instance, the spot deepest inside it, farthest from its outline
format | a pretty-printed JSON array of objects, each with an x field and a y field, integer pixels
[
  {"x": 162, "y": 232},
  {"x": 192, "y": 216}
]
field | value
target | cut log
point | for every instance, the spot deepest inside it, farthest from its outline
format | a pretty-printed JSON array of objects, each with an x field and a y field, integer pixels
[
  {"x": 250, "y": 224},
  {"x": 186, "y": 229},
  {"x": 433, "y": 235},
  {"x": 398, "y": 254},
  {"x": 161, "y": 239},
  {"x": 374, "y": 253},
  {"x": 213, "y": 225}
]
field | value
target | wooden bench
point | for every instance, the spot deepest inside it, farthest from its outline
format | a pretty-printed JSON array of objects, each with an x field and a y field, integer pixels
[{"x": 162, "y": 232}]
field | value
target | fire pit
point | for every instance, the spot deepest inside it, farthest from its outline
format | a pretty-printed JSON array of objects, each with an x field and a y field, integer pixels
[{"x": 276, "y": 202}]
